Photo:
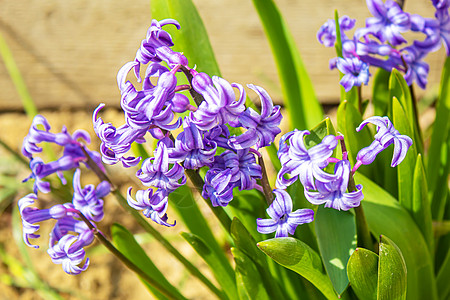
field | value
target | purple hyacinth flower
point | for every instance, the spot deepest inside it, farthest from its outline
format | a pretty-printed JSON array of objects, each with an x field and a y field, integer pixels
[
  {"x": 192, "y": 148},
  {"x": 355, "y": 71},
  {"x": 40, "y": 170},
  {"x": 219, "y": 107},
  {"x": 283, "y": 219},
  {"x": 153, "y": 106},
  {"x": 156, "y": 171},
  {"x": 156, "y": 47},
  {"x": 36, "y": 136},
  {"x": 388, "y": 23},
  {"x": 441, "y": 4},
  {"x": 116, "y": 142},
  {"x": 327, "y": 32},
  {"x": 417, "y": 70},
  {"x": 261, "y": 129},
  {"x": 88, "y": 199},
  {"x": 153, "y": 204},
  {"x": 296, "y": 160},
  {"x": 69, "y": 252},
  {"x": 333, "y": 193},
  {"x": 66, "y": 248},
  {"x": 437, "y": 30},
  {"x": 244, "y": 168},
  {"x": 218, "y": 187},
  {"x": 386, "y": 135},
  {"x": 31, "y": 216}
]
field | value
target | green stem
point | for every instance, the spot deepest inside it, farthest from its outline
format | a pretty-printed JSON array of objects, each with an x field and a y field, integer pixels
[
  {"x": 364, "y": 239},
  {"x": 99, "y": 235},
  {"x": 149, "y": 229},
  {"x": 219, "y": 212},
  {"x": 265, "y": 182},
  {"x": 14, "y": 153}
]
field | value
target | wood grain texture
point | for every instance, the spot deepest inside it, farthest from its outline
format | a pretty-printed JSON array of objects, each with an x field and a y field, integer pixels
[{"x": 70, "y": 51}]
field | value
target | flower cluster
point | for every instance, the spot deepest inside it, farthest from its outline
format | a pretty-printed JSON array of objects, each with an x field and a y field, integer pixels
[
  {"x": 205, "y": 141},
  {"x": 70, "y": 234},
  {"x": 321, "y": 187},
  {"x": 375, "y": 44}
]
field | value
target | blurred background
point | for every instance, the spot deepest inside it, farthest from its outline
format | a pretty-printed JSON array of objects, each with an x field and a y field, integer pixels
[{"x": 69, "y": 52}]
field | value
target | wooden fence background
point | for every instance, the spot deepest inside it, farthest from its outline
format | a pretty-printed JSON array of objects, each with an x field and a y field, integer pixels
[{"x": 69, "y": 51}]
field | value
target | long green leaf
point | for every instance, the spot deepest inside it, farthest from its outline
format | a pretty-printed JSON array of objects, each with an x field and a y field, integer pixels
[
  {"x": 406, "y": 168},
  {"x": 362, "y": 271},
  {"x": 380, "y": 94},
  {"x": 301, "y": 103},
  {"x": 385, "y": 216},
  {"x": 182, "y": 199},
  {"x": 421, "y": 204},
  {"x": 442, "y": 278},
  {"x": 399, "y": 89},
  {"x": 300, "y": 258},
  {"x": 126, "y": 244},
  {"x": 248, "y": 279},
  {"x": 246, "y": 243},
  {"x": 227, "y": 282},
  {"x": 192, "y": 39},
  {"x": 336, "y": 235},
  {"x": 438, "y": 160},
  {"x": 391, "y": 271}
]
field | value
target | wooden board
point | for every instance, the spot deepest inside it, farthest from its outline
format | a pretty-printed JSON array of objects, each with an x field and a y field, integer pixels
[{"x": 70, "y": 51}]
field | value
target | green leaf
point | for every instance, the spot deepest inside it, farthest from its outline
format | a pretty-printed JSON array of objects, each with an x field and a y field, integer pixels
[
  {"x": 126, "y": 244},
  {"x": 439, "y": 157},
  {"x": 246, "y": 243},
  {"x": 227, "y": 282},
  {"x": 336, "y": 234},
  {"x": 386, "y": 216},
  {"x": 362, "y": 271},
  {"x": 247, "y": 206},
  {"x": 248, "y": 279},
  {"x": 300, "y": 258},
  {"x": 182, "y": 199},
  {"x": 399, "y": 89},
  {"x": 405, "y": 170},
  {"x": 381, "y": 100},
  {"x": 443, "y": 276},
  {"x": 421, "y": 204},
  {"x": 299, "y": 97},
  {"x": 317, "y": 133},
  {"x": 192, "y": 39},
  {"x": 391, "y": 271}
]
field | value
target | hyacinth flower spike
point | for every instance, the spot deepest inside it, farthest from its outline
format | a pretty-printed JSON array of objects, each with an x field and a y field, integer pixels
[
  {"x": 282, "y": 219},
  {"x": 296, "y": 160},
  {"x": 386, "y": 135},
  {"x": 333, "y": 193}
]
